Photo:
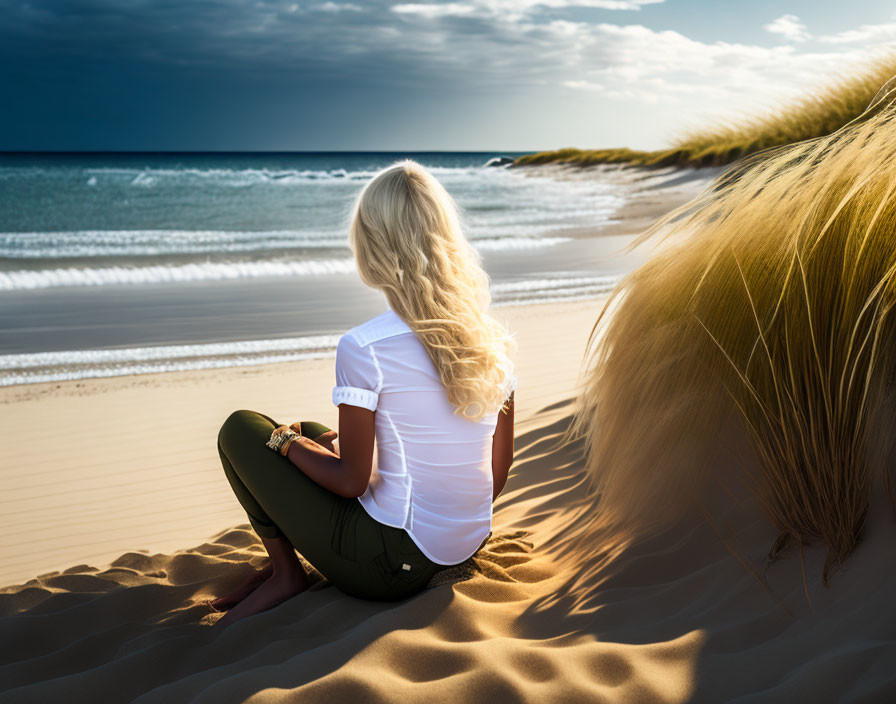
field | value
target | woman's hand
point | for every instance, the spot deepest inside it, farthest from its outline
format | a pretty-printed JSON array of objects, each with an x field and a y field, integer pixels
[
  {"x": 285, "y": 435},
  {"x": 281, "y": 438}
]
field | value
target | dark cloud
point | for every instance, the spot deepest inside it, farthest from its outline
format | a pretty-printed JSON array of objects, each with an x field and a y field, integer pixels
[
  {"x": 231, "y": 74},
  {"x": 228, "y": 74}
]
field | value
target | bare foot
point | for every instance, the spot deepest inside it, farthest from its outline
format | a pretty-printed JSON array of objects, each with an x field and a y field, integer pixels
[
  {"x": 228, "y": 601},
  {"x": 273, "y": 591}
]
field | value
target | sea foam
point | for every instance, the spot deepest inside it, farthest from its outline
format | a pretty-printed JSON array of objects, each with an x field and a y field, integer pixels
[
  {"x": 145, "y": 243},
  {"x": 183, "y": 273},
  {"x": 561, "y": 287},
  {"x": 29, "y": 279},
  {"x": 44, "y": 367},
  {"x": 141, "y": 243}
]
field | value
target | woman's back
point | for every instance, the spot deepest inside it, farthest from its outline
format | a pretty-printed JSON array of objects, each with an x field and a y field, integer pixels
[
  {"x": 425, "y": 397},
  {"x": 433, "y": 476}
]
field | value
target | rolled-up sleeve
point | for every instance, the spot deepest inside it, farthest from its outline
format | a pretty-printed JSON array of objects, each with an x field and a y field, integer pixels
[{"x": 358, "y": 378}]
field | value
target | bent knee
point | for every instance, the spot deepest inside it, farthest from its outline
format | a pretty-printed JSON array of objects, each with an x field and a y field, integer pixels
[{"x": 238, "y": 425}]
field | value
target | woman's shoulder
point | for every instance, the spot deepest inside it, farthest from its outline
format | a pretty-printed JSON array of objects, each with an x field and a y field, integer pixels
[{"x": 380, "y": 327}]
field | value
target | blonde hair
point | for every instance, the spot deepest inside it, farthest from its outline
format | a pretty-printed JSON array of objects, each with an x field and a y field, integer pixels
[{"x": 407, "y": 241}]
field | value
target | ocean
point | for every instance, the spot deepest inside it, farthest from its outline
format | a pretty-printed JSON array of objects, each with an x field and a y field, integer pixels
[{"x": 115, "y": 264}]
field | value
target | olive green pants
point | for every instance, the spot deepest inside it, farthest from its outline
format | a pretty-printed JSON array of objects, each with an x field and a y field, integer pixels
[{"x": 353, "y": 551}]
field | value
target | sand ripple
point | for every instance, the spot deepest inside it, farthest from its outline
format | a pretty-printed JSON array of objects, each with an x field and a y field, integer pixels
[{"x": 676, "y": 618}]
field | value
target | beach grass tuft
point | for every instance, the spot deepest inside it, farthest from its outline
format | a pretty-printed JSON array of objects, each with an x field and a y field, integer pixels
[
  {"x": 814, "y": 114},
  {"x": 765, "y": 321}
]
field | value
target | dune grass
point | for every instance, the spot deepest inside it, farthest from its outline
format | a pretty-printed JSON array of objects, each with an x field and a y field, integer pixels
[
  {"x": 815, "y": 114},
  {"x": 767, "y": 315}
]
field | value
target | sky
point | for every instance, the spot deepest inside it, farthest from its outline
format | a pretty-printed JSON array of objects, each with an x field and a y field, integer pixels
[{"x": 381, "y": 75}]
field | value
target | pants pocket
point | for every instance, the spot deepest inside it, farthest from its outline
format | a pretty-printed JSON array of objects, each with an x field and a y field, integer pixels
[{"x": 408, "y": 565}]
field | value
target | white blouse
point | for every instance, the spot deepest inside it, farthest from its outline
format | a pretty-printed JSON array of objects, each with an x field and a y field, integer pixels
[{"x": 433, "y": 470}]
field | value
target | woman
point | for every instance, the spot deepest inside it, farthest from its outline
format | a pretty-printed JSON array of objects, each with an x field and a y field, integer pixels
[{"x": 430, "y": 380}]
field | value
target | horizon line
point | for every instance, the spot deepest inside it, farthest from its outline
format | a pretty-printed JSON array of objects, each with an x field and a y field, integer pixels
[{"x": 273, "y": 151}]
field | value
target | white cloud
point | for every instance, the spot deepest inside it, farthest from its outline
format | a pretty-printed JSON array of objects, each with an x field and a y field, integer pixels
[
  {"x": 790, "y": 27},
  {"x": 433, "y": 10},
  {"x": 634, "y": 63},
  {"x": 601, "y": 4},
  {"x": 584, "y": 85},
  {"x": 869, "y": 33},
  {"x": 514, "y": 9},
  {"x": 337, "y": 7}
]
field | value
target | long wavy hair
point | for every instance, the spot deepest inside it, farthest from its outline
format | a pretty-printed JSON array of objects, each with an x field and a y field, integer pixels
[{"x": 407, "y": 240}]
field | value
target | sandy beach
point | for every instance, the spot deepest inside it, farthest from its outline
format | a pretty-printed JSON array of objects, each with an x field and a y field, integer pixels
[
  {"x": 118, "y": 523},
  {"x": 91, "y": 498}
]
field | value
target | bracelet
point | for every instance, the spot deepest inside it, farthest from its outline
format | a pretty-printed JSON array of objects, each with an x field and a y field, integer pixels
[
  {"x": 289, "y": 441},
  {"x": 281, "y": 437}
]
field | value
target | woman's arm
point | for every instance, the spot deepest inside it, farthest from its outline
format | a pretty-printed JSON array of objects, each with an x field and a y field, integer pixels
[
  {"x": 347, "y": 473},
  {"x": 502, "y": 447}
]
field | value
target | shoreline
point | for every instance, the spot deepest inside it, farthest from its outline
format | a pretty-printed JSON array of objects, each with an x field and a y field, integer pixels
[
  {"x": 651, "y": 192},
  {"x": 132, "y": 440},
  {"x": 217, "y": 325}
]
